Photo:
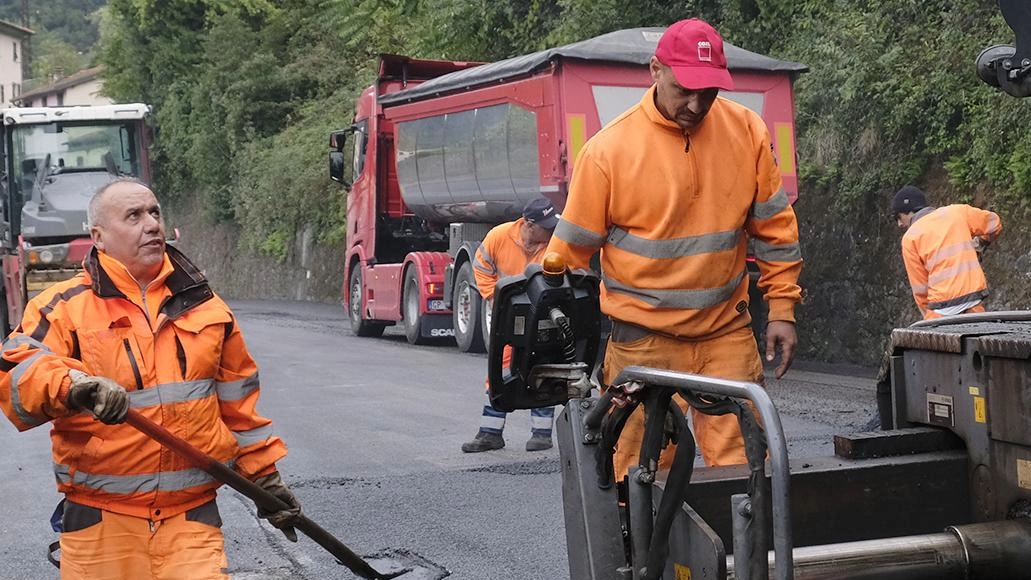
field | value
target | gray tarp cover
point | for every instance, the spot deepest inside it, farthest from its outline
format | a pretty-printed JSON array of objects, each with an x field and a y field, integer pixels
[{"x": 634, "y": 46}]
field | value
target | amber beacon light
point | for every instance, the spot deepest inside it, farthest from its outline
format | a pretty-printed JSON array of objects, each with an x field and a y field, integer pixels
[{"x": 554, "y": 267}]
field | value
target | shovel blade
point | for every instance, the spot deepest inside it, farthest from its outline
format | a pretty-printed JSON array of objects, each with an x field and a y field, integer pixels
[{"x": 405, "y": 565}]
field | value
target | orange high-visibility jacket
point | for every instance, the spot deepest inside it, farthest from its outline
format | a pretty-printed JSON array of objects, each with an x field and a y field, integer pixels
[
  {"x": 178, "y": 351},
  {"x": 940, "y": 257},
  {"x": 672, "y": 216},
  {"x": 501, "y": 254}
]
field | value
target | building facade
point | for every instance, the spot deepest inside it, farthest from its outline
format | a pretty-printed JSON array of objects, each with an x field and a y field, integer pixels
[
  {"x": 81, "y": 88},
  {"x": 13, "y": 40}
]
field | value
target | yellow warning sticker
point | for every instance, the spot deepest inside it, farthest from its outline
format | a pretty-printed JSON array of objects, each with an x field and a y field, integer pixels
[
  {"x": 980, "y": 414},
  {"x": 1023, "y": 474},
  {"x": 974, "y": 391},
  {"x": 682, "y": 571}
]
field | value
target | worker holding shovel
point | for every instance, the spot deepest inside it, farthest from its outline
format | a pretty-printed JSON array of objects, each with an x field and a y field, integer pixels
[{"x": 140, "y": 329}]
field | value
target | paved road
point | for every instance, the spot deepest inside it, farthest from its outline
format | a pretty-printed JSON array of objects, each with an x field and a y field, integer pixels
[{"x": 374, "y": 427}]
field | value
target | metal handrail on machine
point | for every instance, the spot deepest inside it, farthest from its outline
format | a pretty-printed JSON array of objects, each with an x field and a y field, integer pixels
[{"x": 776, "y": 441}]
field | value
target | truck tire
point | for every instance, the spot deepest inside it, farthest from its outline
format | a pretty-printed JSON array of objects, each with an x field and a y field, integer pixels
[
  {"x": 468, "y": 311},
  {"x": 359, "y": 325},
  {"x": 412, "y": 318}
]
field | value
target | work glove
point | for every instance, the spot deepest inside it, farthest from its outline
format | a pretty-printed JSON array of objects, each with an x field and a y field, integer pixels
[
  {"x": 105, "y": 398},
  {"x": 283, "y": 520}
]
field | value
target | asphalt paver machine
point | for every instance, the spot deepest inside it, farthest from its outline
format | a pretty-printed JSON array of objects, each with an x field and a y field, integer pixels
[{"x": 942, "y": 491}]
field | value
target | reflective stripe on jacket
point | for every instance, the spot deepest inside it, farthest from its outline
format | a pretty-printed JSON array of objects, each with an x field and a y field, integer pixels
[
  {"x": 672, "y": 217},
  {"x": 501, "y": 254},
  {"x": 176, "y": 349},
  {"x": 940, "y": 256}
]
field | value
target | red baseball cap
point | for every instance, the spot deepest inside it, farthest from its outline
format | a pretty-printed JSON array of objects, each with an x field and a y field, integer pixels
[{"x": 694, "y": 50}]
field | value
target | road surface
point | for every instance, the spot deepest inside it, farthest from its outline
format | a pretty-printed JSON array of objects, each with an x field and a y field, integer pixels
[{"x": 374, "y": 428}]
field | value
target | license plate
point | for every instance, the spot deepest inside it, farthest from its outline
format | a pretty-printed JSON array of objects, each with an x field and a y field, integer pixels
[{"x": 436, "y": 305}]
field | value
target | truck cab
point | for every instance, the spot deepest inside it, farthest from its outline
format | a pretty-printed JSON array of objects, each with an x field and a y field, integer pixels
[{"x": 54, "y": 159}]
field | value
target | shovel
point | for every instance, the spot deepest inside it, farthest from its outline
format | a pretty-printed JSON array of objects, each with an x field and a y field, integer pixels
[{"x": 421, "y": 570}]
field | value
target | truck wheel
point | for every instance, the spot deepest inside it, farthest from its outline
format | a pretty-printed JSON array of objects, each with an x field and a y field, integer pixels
[
  {"x": 412, "y": 317},
  {"x": 468, "y": 308},
  {"x": 359, "y": 325}
]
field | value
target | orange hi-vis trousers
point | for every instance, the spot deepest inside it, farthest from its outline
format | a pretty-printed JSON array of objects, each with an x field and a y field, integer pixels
[
  {"x": 120, "y": 547},
  {"x": 733, "y": 356}
]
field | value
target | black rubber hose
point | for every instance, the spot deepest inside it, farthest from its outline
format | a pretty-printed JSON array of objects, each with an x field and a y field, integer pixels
[
  {"x": 675, "y": 494},
  {"x": 611, "y": 428}
]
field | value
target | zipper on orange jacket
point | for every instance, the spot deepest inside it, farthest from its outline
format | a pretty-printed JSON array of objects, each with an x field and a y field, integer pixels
[{"x": 132, "y": 361}]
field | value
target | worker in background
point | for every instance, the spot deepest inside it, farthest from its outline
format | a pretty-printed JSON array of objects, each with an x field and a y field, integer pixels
[
  {"x": 139, "y": 328},
  {"x": 670, "y": 192},
  {"x": 940, "y": 250},
  {"x": 505, "y": 251}
]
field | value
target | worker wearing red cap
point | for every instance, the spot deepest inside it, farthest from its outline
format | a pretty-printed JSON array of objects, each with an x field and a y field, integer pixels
[
  {"x": 939, "y": 249},
  {"x": 671, "y": 192}
]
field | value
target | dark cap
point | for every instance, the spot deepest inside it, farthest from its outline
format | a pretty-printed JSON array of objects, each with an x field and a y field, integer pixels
[
  {"x": 908, "y": 199},
  {"x": 540, "y": 212},
  {"x": 694, "y": 50}
]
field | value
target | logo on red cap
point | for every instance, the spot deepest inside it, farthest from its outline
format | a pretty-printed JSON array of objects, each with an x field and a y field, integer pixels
[{"x": 704, "y": 51}]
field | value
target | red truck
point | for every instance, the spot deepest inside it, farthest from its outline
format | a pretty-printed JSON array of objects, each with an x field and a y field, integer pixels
[
  {"x": 54, "y": 159},
  {"x": 440, "y": 152}
]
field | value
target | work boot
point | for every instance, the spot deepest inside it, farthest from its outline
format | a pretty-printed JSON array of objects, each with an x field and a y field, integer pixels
[
  {"x": 538, "y": 442},
  {"x": 484, "y": 442}
]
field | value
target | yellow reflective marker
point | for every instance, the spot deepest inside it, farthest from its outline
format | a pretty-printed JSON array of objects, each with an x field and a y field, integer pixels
[
  {"x": 785, "y": 148},
  {"x": 682, "y": 571},
  {"x": 576, "y": 129},
  {"x": 980, "y": 412}
]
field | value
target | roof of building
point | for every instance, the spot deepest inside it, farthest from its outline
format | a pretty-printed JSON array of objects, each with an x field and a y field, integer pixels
[
  {"x": 633, "y": 46},
  {"x": 82, "y": 77},
  {"x": 12, "y": 29}
]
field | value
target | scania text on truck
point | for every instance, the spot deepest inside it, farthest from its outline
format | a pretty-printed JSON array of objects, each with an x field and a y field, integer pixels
[
  {"x": 54, "y": 159},
  {"x": 441, "y": 152}
]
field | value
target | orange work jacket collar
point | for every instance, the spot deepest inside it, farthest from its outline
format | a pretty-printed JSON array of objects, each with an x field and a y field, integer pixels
[
  {"x": 109, "y": 278},
  {"x": 515, "y": 234},
  {"x": 921, "y": 213},
  {"x": 653, "y": 113},
  {"x": 655, "y": 116}
]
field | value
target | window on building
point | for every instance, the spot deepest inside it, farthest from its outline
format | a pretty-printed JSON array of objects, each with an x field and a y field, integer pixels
[
  {"x": 3, "y": 98},
  {"x": 15, "y": 51},
  {"x": 15, "y": 90},
  {"x": 46, "y": 100}
]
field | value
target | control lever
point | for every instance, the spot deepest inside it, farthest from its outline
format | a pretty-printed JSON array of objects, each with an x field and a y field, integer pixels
[{"x": 550, "y": 318}]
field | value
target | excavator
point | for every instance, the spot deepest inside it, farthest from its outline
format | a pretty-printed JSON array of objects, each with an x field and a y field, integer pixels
[{"x": 941, "y": 491}]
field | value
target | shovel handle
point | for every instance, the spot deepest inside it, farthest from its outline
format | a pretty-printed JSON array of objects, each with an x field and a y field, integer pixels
[{"x": 255, "y": 492}]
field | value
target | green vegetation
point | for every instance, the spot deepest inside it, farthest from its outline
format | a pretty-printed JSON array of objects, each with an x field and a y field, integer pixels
[{"x": 246, "y": 91}]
